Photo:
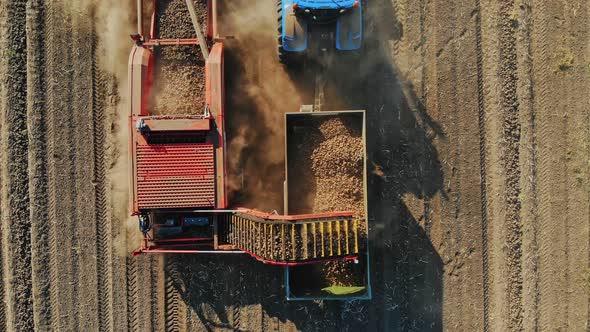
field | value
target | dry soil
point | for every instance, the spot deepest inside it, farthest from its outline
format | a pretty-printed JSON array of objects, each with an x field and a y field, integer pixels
[{"x": 478, "y": 146}]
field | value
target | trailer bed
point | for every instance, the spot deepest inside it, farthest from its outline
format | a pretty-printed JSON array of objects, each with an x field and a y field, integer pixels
[{"x": 326, "y": 170}]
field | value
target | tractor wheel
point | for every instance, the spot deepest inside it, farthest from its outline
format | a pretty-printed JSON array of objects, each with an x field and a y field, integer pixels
[{"x": 283, "y": 56}]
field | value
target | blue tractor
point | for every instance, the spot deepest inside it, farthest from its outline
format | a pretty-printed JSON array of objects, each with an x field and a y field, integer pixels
[{"x": 318, "y": 25}]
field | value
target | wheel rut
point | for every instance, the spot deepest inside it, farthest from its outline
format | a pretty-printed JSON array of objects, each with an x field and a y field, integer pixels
[
  {"x": 482, "y": 167},
  {"x": 528, "y": 165},
  {"x": 104, "y": 246},
  {"x": 543, "y": 106},
  {"x": 173, "y": 299},
  {"x": 132, "y": 295},
  {"x": 84, "y": 225}
]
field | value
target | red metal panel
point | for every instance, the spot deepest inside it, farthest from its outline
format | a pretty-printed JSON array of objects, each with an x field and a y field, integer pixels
[
  {"x": 175, "y": 176},
  {"x": 140, "y": 82},
  {"x": 210, "y": 21},
  {"x": 215, "y": 94}
]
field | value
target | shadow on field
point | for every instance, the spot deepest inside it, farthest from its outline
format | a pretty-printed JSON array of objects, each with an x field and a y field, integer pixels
[{"x": 406, "y": 270}]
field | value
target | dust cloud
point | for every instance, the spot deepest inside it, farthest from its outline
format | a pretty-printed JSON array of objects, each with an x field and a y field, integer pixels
[
  {"x": 114, "y": 21},
  {"x": 118, "y": 19},
  {"x": 259, "y": 91}
]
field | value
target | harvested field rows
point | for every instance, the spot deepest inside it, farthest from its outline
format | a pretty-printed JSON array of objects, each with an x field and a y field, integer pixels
[
  {"x": 16, "y": 225},
  {"x": 478, "y": 148}
]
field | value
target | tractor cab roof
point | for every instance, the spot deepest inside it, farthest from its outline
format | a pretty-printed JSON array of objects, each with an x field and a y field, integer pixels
[{"x": 325, "y": 4}]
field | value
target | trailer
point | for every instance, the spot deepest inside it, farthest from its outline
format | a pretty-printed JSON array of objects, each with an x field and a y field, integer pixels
[{"x": 310, "y": 282}]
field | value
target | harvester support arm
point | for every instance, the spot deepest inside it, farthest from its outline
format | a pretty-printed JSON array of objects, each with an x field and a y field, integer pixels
[
  {"x": 140, "y": 17},
  {"x": 200, "y": 37}
]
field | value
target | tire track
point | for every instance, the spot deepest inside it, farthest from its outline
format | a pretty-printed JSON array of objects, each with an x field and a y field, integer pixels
[
  {"x": 172, "y": 296},
  {"x": 145, "y": 297},
  {"x": 154, "y": 291},
  {"x": 3, "y": 326},
  {"x": 157, "y": 292},
  {"x": 132, "y": 295},
  {"x": 16, "y": 245},
  {"x": 236, "y": 319},
  {"x": 482, "y": 167},
  {"x": 237, "y": 297},
  {"x": 37, "y": 164},
  {"x": 84, "y": 262},
  {"x": 103, "y": 229}
]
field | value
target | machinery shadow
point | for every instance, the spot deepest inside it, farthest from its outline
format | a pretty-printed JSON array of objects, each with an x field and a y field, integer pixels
[
  {"x": 404, "y": 173},
  {"x": 406, "y": 269}
]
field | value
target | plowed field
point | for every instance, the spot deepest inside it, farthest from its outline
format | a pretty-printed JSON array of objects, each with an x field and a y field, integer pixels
[{"x": 478, "y": 145}]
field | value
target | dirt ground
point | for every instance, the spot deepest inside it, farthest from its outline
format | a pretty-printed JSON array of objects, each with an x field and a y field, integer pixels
[{"x": 478, "y": 153}]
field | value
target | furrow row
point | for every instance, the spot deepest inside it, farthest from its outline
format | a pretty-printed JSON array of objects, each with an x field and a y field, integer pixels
[
  {"x": 103, "y": 227},
  {"x": 482, "y": 167},
  {"x": 16, "y": 223}
]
